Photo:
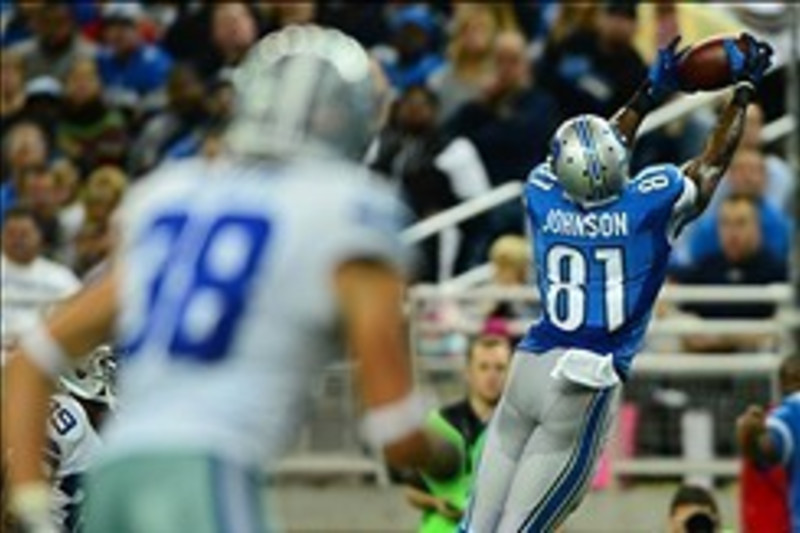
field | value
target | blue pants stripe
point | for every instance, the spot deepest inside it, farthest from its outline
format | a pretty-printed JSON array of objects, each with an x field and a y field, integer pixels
[
  {"x": 577, "y": 470},
  {"x": 564, "y": 471},
  {"x": 566, "y": 503}
]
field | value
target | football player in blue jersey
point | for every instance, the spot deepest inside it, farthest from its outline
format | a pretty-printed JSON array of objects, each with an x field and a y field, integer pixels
[{"x": 601, "y": 247}]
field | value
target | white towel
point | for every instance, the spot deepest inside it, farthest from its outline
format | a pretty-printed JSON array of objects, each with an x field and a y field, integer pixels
[{"x": 591, "y": 369}]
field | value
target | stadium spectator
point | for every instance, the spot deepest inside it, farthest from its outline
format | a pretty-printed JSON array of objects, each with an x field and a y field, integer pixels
[
  {"x": 693, "y": 510},
  {"x": 188, "y": 25},
  {"x": 71, "y": 212},
  {"x": 571, "y": 18},
  {"x": 234, "y": 29},
  {"x": 90, "y": 132},
  {"x": 764, "y": 491},
  {"x": 44, "y": 103},
  {"x": 56, "y": 41},
  {"x": 226, "y": 30},
  {"x": 31, "y": 283},
  {"x": 746, "y": 177},
  {"x": 102, "y": 194},
  {"x": 510, "y": 259},
  {"x": 442, "y": 501},
  {"x": 364, "y": 21},
  {"x": 743, "y": 260},
  {"x": 595, "y": 70},
  {"x": 91, "y": 247},
  {"x": 12, "y": 90},
  {"x": 469, "y": 57},
  {"x": 510, "y": 124},
  {"x": 180, "y": 129},
  {"x": 512, "y": 120},
  {"x": 660, "y": 21},
  {"x": 432, "y": 170},
  {"x": 16, "y": 25},
  {"x": 412, "y": 57},
  {"x": 780, "y": 184},
  {"x": 39, "y": 194},
  {"x": 133, "y": 72},
  {"x": 25, "y": 146}
]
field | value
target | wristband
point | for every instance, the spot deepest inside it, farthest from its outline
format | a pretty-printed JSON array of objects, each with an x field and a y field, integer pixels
[
  {"x": 390, "y": 423},
  {"x": 42, "y": 349},
  {"x": 744, "y": 93},
  {"x": 642, "y": 101},
  {"x": 31, "y": 502}
]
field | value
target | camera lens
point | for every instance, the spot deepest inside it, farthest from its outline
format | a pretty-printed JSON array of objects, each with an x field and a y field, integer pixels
[{"x": 700, "y": 523}]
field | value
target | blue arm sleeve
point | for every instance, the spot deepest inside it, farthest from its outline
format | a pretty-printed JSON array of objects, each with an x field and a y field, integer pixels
[{"x": 779, "y": 428}]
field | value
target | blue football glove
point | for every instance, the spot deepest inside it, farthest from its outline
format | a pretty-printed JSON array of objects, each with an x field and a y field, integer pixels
[
  {"x": 663, "y": 73},
  {"x": 750, "y": 65}
]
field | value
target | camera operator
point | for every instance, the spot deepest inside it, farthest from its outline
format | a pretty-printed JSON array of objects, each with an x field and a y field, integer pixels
[{"x": 693, "y": 510}]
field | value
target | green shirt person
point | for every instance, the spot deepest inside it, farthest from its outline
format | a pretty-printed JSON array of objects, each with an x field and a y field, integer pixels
[{"x": 442, "y": 501}]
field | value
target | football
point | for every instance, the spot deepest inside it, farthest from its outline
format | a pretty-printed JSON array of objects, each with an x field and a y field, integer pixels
[{"x": 705, "y": 67}]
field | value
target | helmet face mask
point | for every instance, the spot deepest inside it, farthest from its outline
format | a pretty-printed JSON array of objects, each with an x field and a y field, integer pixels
[
  {"x": 94, "y": 377},
  {"x": 305, "y": 90},
  {"x": 589, "y": 159}
]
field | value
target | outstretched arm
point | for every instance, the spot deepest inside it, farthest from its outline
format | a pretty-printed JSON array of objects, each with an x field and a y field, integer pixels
[
  {"x": 707, "y": 169},
  {"x": 747, "y": 69},
  {"x": 662, "y": 80},
  {"x": 370, "y": 296},
  {"x": 628, "y": 119},
  {"x": 76, "y": 327},
  {"x": 754, "y": 439}
]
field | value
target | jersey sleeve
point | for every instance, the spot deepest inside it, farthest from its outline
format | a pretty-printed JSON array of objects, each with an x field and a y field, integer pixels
[
  {"x": 66, "y": 426},
  {"x": 367, "y": 224},
  {"x": 540, "y": 183},
  {"x": 352, "y": 222},
  {"x": 780, "y": 432},
  {"x": 670, "y": 195}
]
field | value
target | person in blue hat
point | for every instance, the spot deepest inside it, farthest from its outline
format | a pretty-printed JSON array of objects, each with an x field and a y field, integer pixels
[{"x": 413, "y": 57}]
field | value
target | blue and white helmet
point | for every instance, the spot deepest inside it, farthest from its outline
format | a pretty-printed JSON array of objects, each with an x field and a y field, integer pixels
[{"x": 590, "y": 160}]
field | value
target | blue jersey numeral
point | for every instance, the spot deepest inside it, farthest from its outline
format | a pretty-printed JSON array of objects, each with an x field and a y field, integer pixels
[
  {"x": 201, "y": 287},
  {"x": 61, "y": 419}
]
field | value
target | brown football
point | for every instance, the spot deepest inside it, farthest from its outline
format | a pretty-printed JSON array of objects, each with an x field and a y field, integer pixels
[{"x": 705, "y": 67}]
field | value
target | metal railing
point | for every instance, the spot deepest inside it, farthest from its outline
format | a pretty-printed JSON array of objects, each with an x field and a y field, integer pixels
[{"x": 676, "y": 366}]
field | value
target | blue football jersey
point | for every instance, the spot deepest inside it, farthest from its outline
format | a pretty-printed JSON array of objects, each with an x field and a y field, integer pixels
[
  {"x": 599, "y": 269},
  {"x": 783, "y": 425}
]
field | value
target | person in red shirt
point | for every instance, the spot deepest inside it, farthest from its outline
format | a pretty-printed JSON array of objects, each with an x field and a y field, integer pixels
[{"x": 764, "y": 492}]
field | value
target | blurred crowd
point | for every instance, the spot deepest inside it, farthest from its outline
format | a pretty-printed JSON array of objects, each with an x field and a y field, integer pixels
[{"x": 94, "y": 95}]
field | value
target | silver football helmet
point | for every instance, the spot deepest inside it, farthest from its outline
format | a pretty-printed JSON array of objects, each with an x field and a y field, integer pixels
[
  {"x": 94, "y": 377},
  {"x": 306, "y": 90},
  {"x": 590, "y": 160}
]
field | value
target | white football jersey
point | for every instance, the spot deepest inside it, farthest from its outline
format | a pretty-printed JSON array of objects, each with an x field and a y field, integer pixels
[
  {"x": 226, "y": 305},
  {"x": 72, "y": 443}
]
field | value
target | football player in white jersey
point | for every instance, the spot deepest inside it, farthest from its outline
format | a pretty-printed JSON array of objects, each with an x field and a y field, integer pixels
[
  {"x": 76, "y": 414},
  {"x": 231, "y": 282}
]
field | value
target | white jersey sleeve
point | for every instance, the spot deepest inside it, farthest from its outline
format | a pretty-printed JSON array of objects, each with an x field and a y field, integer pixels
[
  {"x": 72, "y": 443},
  {"x": 366, "y": 223},
  {"x": 345, "y": 220}
]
